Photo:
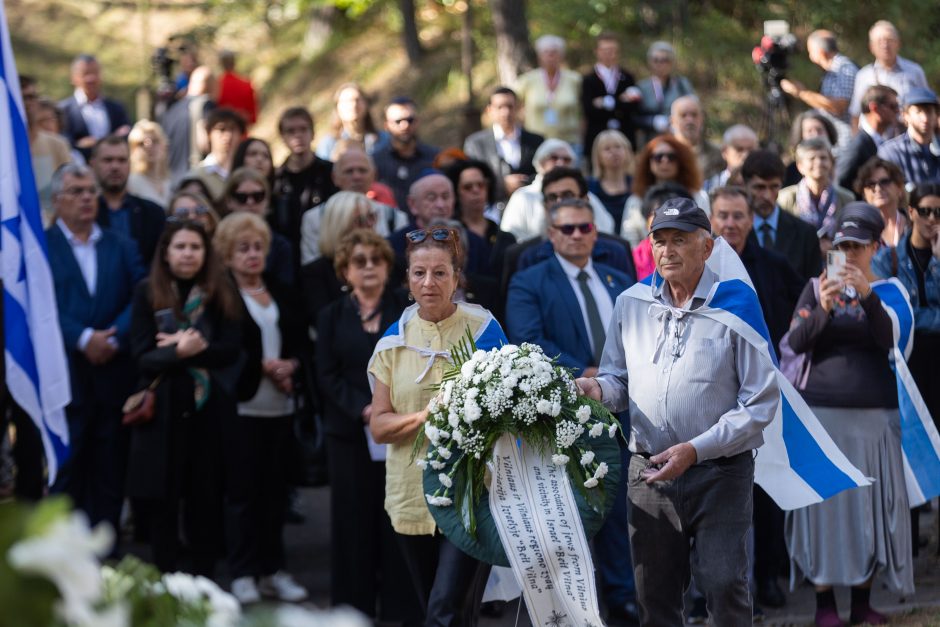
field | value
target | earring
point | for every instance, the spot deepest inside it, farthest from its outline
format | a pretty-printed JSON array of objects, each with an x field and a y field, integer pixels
[
  {"x": 411, "y": 296},
  {"x": 344, "y": 288}
]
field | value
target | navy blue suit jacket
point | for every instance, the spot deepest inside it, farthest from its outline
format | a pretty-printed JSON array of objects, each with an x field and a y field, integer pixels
[
  {"x": 119, "y": 270},
  {"x": 543, "y": 309},
  {"x": 75, "y": 127}
]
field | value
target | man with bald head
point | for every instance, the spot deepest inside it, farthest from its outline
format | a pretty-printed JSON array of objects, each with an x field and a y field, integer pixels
[
  {"x": 838, "y": 82},
  {"x": 353, "y": 171},
  {"x": 687, "y": 119},
  {"x": 183, "y": 123},
  {"x": 889, "y": 68},
  {"x": 89, "y": 116}
]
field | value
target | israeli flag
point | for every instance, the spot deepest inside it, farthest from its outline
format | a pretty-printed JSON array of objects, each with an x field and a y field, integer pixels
[
  {"x": 799, "y": 464},
  {"x": 37, "y": 374},
  {"x": 920, "y": 442}
]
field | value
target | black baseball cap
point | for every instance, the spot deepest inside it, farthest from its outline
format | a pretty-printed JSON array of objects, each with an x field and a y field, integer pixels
[
  {"x": 682, "y": 214},
  {"x": 859, "y": 222}
]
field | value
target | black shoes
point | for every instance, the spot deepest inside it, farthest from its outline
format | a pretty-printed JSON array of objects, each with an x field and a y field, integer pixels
[
  {"x": 626, "y": 615},
  {"x": 770, "y": 594}
]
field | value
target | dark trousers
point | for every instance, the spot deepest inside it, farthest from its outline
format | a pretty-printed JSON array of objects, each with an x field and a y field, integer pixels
[
  {"x": 93, "y": 475},
  {"x": 367, "y": 569},
  {"x": 770, "y": 549},
  {"x": 28, "y": 454},
  {"x": 696, "y": 523},
  {"x": 449, "y": 582},
  {"x": 612, "y": 547},
  {"x": 256, "y": 455}
]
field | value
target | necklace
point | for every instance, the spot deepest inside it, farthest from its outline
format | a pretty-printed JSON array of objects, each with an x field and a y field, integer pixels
[
  {"x": 364, "y": 318},
  {"x": 254, "y": 291}
]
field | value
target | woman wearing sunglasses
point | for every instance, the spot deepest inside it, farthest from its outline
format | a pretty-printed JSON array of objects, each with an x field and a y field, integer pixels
[
  {"x": 367, "y": 570},
  {"x": 916, "y": 263},
  {"x": 881, "y": 183},
  {"x": 247, "y": 190},
  {"x": 663, "y": 160},
  {"x": 193, "y": 206},
  {"x": 185, "y": 331},
  {"x": 408, "y": 361}
]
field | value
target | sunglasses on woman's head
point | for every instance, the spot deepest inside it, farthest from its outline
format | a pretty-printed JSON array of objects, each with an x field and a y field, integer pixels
[
  {"x": 184, "y": 212},
  {"x": 437, "y": 233},
  {"x": 243, "y": 197}
]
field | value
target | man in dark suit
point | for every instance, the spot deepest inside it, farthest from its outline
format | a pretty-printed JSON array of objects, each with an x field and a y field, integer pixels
[
  {"x": 95, "y": 271},
  {"x": 89, "y": 116},
  {"x": 124, "y": 213},
  {"x": 605, "y": 99},
  {"x": 775, "y": 229},
  {"x": 879, "y": 113},
  {"x": 506, "y": 147},
  {"x": 564, "y": 304}
]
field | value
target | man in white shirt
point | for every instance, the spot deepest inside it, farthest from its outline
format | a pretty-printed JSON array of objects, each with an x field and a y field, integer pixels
[
  {"x": 89, "y": 116},
  {"x": 95, "y": 271}
]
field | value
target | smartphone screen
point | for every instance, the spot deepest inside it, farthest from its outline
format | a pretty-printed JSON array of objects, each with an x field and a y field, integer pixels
[
  {"x": 835, "y": 263},
  {"x": 166, "y": 321}
]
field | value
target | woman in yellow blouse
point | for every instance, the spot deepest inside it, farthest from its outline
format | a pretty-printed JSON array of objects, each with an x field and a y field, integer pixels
[
  {"x": 408, "y": 361},
  {"x": 550, "y": 94}
]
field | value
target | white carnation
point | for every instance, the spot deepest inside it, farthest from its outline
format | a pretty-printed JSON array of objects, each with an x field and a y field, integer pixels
[
  {"x": 436, "y": 465},
  {"x": 612, "y": 431},
  {"x": 556, "y": 409},
  {"x": 590, "y": 483},
  {"x": 559, "y": 460},
  {"x": 596, "y": 430},
  {"x": 587, "y": 458},
  {"x": 444, "y": 453},
  {"x": 601, "y": 471},
  {"x": 421, "y": 463},
  {"x": 453, "y": 420},
  {"x": 583, "y": 414},
  {"x": 438, "y": 501},
  {"x": 544, "y": 406},
  {"x": 445, "y": 480}
]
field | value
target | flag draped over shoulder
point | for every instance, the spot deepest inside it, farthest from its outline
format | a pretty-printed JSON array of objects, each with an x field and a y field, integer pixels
[
  {"x": 36, "y": 368},
  {"x": 799, "y": 464},
  {"x": 920, "y": 442}
]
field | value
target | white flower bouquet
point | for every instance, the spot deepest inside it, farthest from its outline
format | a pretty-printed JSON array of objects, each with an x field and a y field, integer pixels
[{"x": 517, "y": 390}]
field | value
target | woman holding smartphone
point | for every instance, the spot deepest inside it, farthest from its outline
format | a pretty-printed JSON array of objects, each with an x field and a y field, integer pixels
[
  {"x": 185, "y": 333},
  {"x": 846, "y": 333}
]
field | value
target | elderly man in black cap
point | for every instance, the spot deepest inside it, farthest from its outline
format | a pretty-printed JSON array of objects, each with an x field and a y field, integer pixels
[
  {"x": 917, "y": 152},
  {"x": 699, "y": 397}
]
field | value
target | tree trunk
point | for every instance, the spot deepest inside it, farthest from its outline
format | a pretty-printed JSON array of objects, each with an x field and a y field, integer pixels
[
  {"x": 319, "y": 29},
  {"x": 409, "y": 32},
  {"x": 514, "y": 53},
  {"x": 471, "y": 114}
]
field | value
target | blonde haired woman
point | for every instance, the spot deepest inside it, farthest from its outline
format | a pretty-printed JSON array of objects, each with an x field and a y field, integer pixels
[
  {"x": 612, "y": 172},
  {"x": 150, "y": 166}
]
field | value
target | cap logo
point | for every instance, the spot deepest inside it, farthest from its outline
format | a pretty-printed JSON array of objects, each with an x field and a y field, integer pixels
[
  {"x": 671, "y": 211},
  {"x": 846, "y": 223}
]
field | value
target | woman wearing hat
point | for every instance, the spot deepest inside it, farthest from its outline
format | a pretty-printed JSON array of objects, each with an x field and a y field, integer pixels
[{"x": 844, "y": 331}]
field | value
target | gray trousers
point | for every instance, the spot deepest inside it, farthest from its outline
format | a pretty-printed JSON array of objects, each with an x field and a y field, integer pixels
[{"x": 697, "y": 523}]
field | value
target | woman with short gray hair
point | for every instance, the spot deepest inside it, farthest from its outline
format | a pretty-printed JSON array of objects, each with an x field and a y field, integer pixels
[
  {"x": 550, "y": 94},
  {"x": 660, "y": 90}
]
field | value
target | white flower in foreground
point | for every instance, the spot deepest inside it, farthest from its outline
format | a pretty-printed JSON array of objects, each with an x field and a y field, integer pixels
[
  {"x": 436, "y": 465},
  {"x": 444, "y": 453},
  {"x": 601, "y": 471},
  {"x": 67, "y": 555},
  {"x": 612, "y": 430},
  {"x": 596, "y": 430},
  {"x": 544, "y": 406},
  {"x": 182, "y": 586},
  {"x": 225, "y": 608},
  {"x": 421, "y": 463},
  {"x": 297, "y": 616},
  {"x": 438, "y": 501},
  {"x": 445, "y": 480},
  {"x": 590, "y": 483},
  {"x": 587, "y": 458},
  {"x": 583, "y": 414},
  {"x": 559, "y": 460},
  {"x": 556, "y": 409}
]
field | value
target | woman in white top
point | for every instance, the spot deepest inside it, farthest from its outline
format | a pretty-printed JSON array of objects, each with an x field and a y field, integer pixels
[
  {"x": 150, "y": 166},
  {"x": 258, "y": 438}
]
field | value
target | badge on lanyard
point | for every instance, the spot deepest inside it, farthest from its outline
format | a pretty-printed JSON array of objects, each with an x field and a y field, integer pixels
[
  {"x": 402, "y": 172},
  {"x": 551, "y": 117}
]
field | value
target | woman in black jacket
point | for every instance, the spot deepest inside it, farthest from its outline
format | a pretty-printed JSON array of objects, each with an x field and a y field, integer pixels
[
  {"x": 366, "y": 564},
  {"x": 259, "y": 438},
  {"x": 185, "y": 331}
]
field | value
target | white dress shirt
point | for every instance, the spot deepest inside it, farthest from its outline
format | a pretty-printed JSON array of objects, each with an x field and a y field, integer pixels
[
  {"x": 95, "y": 115},
  {"x": 605, "y": 304},
  {"x": 508, "y": 146},
  {"x": 87, "y": 259}
]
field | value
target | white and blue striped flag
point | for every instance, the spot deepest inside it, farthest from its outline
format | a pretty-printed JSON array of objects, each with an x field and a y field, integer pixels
[
  {"x": 37, "y": 375},
  {"x": 799, "y": 464},
  {"x": 920, "y": 442}
]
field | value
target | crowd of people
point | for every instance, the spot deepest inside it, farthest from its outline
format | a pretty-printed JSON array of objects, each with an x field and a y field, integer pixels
[{"x": 245, "y": 296}]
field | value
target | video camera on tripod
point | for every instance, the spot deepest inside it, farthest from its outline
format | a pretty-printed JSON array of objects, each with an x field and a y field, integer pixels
[{"x": 772, "y": 58}]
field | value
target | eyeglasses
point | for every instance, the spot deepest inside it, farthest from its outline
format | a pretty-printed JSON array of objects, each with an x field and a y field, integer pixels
[
  {"x": 410, "y": 120},
  {"x": 659, "y": 157},
  {"x": 559, "y": 158},
  {"x": 926, "y": 212},
  {"x": 569, "y": 229},
  {"x": 553, "y": 197},
  {"x": 244, "y": 197},
  {"x": 183, "y": 212},
  {"x": 661, "y": 60},
  {"x": 436, "y": 233},
  {"x": 78, "y": 191},
  {"x": 883, "y": 183},
  {"x": 361, "y": 261}
]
